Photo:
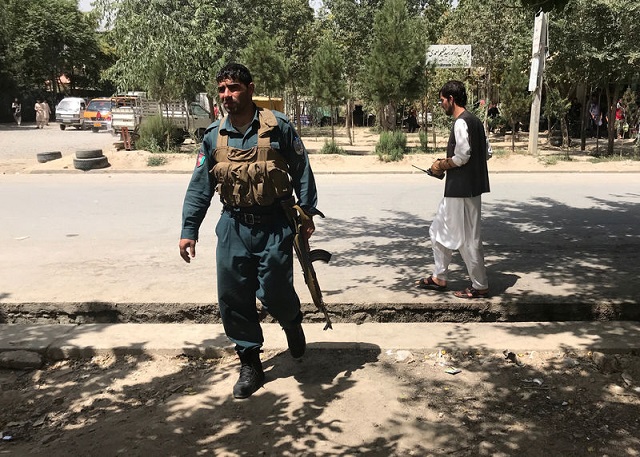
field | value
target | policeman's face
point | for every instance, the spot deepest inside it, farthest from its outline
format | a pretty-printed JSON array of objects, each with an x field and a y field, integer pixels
[
  {"x": 447, "y": 104},
  {"x": 235, "y": 96}
]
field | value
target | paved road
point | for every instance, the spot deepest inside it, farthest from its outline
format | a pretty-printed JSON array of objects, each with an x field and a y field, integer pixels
[{"x": 550, "y": 238}]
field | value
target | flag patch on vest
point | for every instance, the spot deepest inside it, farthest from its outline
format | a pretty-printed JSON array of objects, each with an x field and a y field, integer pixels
[
  {"x": 298, "y": 146},
  {"x": 200, "y": 159}
]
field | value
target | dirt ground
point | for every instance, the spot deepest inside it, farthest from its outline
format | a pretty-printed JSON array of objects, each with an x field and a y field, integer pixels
[
  {"x": 332, "y": 402},
  {"x": 358, "y": 157}
]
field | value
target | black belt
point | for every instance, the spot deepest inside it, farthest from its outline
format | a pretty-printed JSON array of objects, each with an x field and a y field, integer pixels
[{"x": 248, "y": 218}]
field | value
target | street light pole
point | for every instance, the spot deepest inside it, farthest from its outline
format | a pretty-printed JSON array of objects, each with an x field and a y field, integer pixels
[{"x": 539, "y": 54}]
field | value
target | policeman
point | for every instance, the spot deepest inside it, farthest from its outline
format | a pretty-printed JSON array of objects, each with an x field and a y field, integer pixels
[{"x": 255, "y": 160}]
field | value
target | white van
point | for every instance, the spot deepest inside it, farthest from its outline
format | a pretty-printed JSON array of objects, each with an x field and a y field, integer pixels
[{"x": 70, "y": 111}]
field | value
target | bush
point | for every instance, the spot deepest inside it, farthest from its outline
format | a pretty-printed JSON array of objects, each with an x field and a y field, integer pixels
[
  {"x": 156, "y": 161},
  {"x": 424, "y": 141},
  {"x": 331, "y": 147},
  {"x": 392, "y": 146},
  {"x": 158, "y": 134}
]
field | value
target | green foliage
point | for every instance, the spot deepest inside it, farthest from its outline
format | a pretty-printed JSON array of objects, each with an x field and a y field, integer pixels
[
  {"x": 555, "y": 105},
  {"x": 41, "y": 40},
  {"x": 167, "y": 49},
  {"x": 156, "y": 161},
  {"x": 327, "y": 70},
  {"x": 424, "y": 140},
  {"x": 545, "y": 5},
  {"x": 326, "y": 79},
  {"x": 266, "y": 63},
  {"x": 394, "y": 68},
  {"x": 516, "y": 101},
  {"x": 157, "y": 134},
  {"x": 392, "y": 146},
  {"x": 331, "y": 147}
]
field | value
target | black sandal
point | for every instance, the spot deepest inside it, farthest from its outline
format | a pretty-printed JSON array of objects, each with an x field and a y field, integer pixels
[
  {"x": 429, "y": 284},
  {"x": 471, "y": 292}
]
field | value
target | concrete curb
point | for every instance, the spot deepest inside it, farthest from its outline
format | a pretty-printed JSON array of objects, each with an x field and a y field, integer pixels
[{"x": 56, "y": 342}]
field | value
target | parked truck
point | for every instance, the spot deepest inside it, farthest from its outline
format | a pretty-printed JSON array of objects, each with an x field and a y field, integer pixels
[{"x": 131, "y": 112}]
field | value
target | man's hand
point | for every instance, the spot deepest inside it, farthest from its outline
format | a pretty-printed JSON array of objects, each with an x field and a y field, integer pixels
[
  {"x": 187, "y": 249},
  {"x": 308, "y": 227},
  {"x": 441, "y": 165}
]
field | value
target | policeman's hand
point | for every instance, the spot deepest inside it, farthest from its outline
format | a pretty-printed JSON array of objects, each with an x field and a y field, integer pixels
[
  {"x": 187, "y": 249},
  {"x": 308, "y": 227}
]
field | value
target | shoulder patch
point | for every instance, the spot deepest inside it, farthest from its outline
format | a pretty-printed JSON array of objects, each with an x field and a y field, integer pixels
[
  {"x": 298, "y": 146},
  {"x": 200, "y": 160}
]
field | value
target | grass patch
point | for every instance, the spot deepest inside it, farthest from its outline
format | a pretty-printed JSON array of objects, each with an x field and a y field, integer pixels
[
  {"x": 502, "y": 153},
  {"x": 156, "y": 161},
  {"x": 331, "y": 147},
  {"x": 615, "y": 158},
  {"x": 553, "y": 159}
]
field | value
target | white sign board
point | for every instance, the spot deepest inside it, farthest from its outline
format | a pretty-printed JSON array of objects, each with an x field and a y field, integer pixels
[{"x": 449, "y": 55}]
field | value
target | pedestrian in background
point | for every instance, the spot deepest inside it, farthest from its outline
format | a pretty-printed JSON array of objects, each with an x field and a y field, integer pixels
[
  {"x": 456, "y": 225},
  {"x": 47, "y": 111},
  {"x": 16, "y": 110},
  {"x": 255, "y": 160},
  {"x": 39, "y": 108}
]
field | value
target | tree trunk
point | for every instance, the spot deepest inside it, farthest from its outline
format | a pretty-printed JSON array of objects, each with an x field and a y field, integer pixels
[
  {"x": 584, "y": 122},
  {"x": 333, "y": 135},
  {"x": 565, "y": 133},
  {"x": 349, "y": 121},
  {"x": 296, "y": 108},
  {"x": 388, "y": 117},
  {"x": 611, "y": 117}
]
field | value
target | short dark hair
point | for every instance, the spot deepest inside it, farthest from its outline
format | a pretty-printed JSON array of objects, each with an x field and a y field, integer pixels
[
  {"x": 456, "y": 90},
  {"x": 235, "y": 72}
]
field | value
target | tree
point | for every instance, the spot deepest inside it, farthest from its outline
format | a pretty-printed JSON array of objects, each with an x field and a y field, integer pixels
[
  {"x": 168, "y": 48},
  {"x": 327, "y": 82},
  {"x": 497, "y": 30},
  {"x": 394, "y": 68},
  {"x": 515, "y": 99},
  {"x": 351, "y": 22},
  {"x": 590, "y": 44},
  {"x": 265, "y": 62},
  {"x": 297, "y": 38},
  {"x": 42, "y": 40}
]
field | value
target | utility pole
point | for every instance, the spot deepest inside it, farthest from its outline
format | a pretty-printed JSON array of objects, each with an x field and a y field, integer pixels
[{"x": 538, "y": 58}]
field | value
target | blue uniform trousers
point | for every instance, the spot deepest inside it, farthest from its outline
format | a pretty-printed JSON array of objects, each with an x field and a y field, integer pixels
[{"x": 255, "y": 262}]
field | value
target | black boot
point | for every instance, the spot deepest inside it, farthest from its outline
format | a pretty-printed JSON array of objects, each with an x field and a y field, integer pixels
[
  {"x": 251, "y": 374},
  {"x": 296, "y": 340}
]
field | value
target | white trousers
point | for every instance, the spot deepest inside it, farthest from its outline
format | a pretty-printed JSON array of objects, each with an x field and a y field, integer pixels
[{"x": 457, "y": 226}]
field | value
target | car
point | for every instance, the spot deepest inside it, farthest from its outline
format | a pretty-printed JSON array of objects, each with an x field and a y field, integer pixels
[
  {"x": 97, "y": 116},
  {"x": 70, "y": 112}
]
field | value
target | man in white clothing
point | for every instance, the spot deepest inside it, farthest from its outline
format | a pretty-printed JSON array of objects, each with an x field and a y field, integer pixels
[{"x": 457, "y": 222}]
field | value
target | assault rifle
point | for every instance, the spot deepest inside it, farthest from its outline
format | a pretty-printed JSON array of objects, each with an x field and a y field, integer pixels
[{"x": 306, "y": 256}]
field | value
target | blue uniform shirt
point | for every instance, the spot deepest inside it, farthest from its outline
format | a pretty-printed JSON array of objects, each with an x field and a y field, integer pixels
[{"x": 284, "y": 139}]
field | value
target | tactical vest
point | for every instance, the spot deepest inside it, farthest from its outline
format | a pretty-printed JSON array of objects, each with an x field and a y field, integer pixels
[{"x": 256, "y": 176}]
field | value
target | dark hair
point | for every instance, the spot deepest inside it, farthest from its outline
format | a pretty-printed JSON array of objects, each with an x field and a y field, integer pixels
[
  {"x": 456, "y": 90},
  {"x": 235, "y": 72}
]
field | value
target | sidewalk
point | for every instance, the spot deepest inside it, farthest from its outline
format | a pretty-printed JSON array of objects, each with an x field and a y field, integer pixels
[{"x": 60, "y": 341}]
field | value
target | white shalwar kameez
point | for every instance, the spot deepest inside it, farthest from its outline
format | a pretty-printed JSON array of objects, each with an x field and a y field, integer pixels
[{"x": 456, "y": 225}]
